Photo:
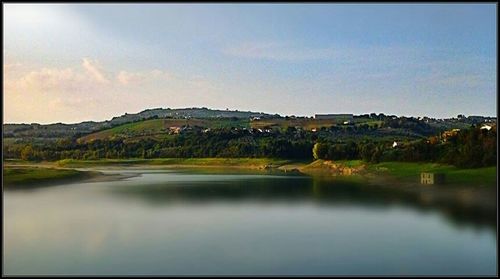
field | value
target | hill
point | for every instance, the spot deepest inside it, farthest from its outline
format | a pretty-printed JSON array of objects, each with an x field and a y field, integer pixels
[
  {"x": 160, "y": 123},
  {"x": 186, "y": 113},
  {"x": 358, "y": 128},
  {"x": 161, "y": 128},
  {"x": 56, "y": 131}
]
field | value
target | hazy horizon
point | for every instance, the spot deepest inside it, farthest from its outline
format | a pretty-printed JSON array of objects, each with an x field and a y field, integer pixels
[
  {"x": 230, "y": 109},
  {"x": 69, "y": 63}
]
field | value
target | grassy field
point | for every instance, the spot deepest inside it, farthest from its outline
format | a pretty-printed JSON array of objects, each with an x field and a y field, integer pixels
[
  {"x": 16, "y": 161},
  {"x": 160, "y": 128},
  {"x": 411, "y": 172},
  {"x": 233, "y": 162},
  {"x": 370, "y": 123},
  {"x": 306, "y": 124},
  {"x": 19, "y": 176}
]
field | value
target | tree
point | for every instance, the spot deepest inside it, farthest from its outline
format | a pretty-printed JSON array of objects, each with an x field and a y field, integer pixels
[
  {"x": 319, "y": 150},
  {"x": 27, "y": 153},
  {"x": 377, "y": 155},
  {"x": 367, "y": 151}
]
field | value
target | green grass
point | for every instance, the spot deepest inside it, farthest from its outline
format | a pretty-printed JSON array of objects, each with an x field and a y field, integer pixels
[
  {"x": 159, "y": 128},
  {"x": 243, "y": 162},
  {"x": 13, "y": 176},
  {"x": 129, "y": 129},
  {"x": 411, "y": 172},
  {"x": 307, "y": 124},
  {"x": 16, "y": 161},
  {"x": 351, "y": 163},
  {"x": 486, "y": 176},
  {"x": 227, "y": 123}
]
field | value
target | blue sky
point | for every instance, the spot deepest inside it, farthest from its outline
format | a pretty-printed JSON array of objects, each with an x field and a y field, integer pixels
[{"x": 71, "y": 63}]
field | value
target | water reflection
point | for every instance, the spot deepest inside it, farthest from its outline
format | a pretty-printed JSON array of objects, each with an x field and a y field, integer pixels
[
  {"x": 170, "y": 189},
  {"x": 201, "y": 223}
]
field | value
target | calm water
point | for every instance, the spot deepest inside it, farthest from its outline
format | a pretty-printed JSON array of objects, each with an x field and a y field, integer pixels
[{"x": 187, "y": 223}]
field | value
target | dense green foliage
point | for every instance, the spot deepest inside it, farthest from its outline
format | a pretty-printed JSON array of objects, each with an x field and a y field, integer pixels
[
  {"x": 224, "y": 142},
  {"x": 472, "y": 147}
]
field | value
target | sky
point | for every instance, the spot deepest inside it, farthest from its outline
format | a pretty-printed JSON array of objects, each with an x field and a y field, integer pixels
[{"x": 78, "y": 62}]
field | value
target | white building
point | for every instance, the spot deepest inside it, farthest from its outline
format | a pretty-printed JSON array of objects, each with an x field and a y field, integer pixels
[{"x": 487, "y": 127}]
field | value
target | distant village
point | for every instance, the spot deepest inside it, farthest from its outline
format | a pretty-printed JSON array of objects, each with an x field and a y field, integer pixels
[
  {"x": 208, "y": 133},
  {"x": 259, "y": 122}
]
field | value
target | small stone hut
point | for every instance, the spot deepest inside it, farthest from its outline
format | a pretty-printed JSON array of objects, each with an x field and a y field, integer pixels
[{"x": 431, "y": 178}]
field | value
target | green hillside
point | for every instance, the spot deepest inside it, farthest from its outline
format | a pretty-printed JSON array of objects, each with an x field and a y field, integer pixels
[
  {"x": 160, "y": 128},
  {"x": 308, "y": 123}
]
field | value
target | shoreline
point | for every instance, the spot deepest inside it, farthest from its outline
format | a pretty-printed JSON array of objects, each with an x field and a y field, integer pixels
[
  {"x": 401, "y": 172},
  {"x": 29, "y": 176},
  {"x": 354, "y": 171},
  {"x": 477, "y": 200}
]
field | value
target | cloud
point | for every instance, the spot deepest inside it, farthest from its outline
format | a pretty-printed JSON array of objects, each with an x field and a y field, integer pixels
[
  {"x": 83, "y": 92},
  {"x": 126, "y": 78},
  {"x": 93, "y": 67},
  {"x": 50, "y": 80},
  {"x": 47, "y": 94}
]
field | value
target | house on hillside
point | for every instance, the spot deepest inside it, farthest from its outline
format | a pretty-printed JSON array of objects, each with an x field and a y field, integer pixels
[
  {"x": 175, "y": 129},
  {"x": 486, "y": 127}
]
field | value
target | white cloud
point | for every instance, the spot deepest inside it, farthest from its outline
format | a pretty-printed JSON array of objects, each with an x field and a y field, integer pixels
[
  {"x": 81, "y": 93},
  {"x": 93, "y": 67},
  {"x": 52, "y": 80},
  {"x": 126, "y": 78}
]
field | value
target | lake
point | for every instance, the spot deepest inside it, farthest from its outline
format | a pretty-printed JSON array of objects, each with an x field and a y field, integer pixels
[{"x": 187, "y": 222}]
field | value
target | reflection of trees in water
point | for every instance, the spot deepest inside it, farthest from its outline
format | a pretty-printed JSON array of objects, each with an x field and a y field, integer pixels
[{"x": 306, "y": 189}]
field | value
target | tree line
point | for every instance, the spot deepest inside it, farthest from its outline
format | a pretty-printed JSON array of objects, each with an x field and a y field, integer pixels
[
  {"x": 470, "y": 148},
  {"x": 474, "y": 147}
]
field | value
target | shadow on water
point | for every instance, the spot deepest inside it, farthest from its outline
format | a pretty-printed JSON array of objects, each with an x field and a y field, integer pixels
[{"x": 305, "y": 189}]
